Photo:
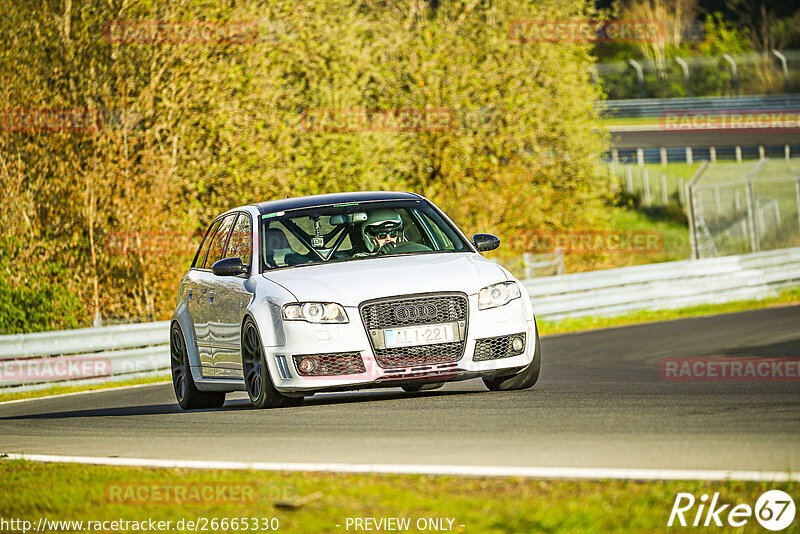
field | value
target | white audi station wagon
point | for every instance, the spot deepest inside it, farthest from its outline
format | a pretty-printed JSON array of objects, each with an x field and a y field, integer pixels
[{"x": 347, "y": 291}]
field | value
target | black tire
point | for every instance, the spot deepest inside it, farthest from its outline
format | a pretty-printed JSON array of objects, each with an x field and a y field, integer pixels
[
  {"x": 189, "y": 397},
  {"x": 260, "y": 389},
  {"x": 523, "y": 379},
  {"x": 416, "y": 388}
]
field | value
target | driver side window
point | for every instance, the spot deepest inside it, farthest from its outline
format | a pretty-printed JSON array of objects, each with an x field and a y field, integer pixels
[
  {"x": 202, "y": 252},
  {"x": 239, "y": 245},
  {"x": 220, "y": 239}
]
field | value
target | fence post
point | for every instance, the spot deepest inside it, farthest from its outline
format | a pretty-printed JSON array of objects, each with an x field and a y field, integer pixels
[
  {"x": 663, "y": 152},
  {"x": 689, "y": 158},
  {"x": 664, "y": 194},
  {"x": 734, "y": 72},
  {"x": 629, "y": 178},
  {"x": 712, "y": 153},
  {"x": 640, "y": 156},
  {"x": 782, "y": 58},
  {"x": 787, "y": 152},
  {"x": 738, "y": 154},
  {"x": 685, "y": 69},
  {"x": 751, "y": 219},
  {"x": 646, "y": 180},
  {"x": 595, "y": 75},
  {"x": 761, "y": 154},
  {"x": 690, "y": 208},
  {"x": 639, "y": 75},
  {"x": 797, "y": 197}
]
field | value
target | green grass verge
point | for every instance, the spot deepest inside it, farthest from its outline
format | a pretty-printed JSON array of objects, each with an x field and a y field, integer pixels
[
  {"x": 318, "y": 502},
  {"x": 61, "y": 390},
  {"x": 791, "y": 296},
  {"x": 629, "y": 121}
]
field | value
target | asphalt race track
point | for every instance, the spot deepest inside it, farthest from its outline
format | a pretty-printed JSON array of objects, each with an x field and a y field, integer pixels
[
  {"x": 653, "y": 137},
  {"x": 601, "y": 402}
]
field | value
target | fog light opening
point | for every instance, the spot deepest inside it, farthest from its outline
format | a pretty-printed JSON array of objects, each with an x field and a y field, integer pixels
[
  {"x": 308, "y": 365},
  {"x": 517, "y": 344}
]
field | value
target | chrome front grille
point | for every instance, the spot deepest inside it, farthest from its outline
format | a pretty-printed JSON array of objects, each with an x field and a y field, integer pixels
[
  {"x": 381, "y": 314},
  {"x": 413, "y": 311}
]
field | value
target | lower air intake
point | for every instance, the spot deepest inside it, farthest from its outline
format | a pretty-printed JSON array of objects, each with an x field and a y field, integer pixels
[
  {"x": 332, "y": 364},
  {"x": 494, "y": 348}
]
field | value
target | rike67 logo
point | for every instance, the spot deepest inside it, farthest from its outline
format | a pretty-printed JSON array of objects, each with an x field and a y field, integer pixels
[{"x": 774, "y": 510}]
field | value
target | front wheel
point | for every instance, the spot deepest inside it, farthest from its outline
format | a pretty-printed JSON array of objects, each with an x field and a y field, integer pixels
[
  {"x": 256, "y": 373},
  {"x": 523, "y": 379},
  {"x": 189, "y": 397}
]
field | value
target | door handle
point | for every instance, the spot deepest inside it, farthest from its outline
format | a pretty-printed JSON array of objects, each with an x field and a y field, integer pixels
[{"x": 211, "y": 297}]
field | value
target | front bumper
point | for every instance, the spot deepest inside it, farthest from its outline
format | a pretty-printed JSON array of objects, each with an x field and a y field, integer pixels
[{"x": 304, "y": 338}]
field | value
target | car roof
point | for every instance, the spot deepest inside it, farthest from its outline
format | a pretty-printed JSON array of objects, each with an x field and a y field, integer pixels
[{"x": 336, "y": 198}]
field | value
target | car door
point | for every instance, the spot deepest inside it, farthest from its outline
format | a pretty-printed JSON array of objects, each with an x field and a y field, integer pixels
[
  {"x": 195, "y": 302},
  {"x": 231, "y": 300},
  {"x": 205, "y": 295}
]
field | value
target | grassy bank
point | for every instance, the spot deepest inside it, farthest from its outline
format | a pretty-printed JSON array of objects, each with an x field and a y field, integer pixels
[
  {"x": 63, "y": 390},
  {"x": 318, "y": 502}
]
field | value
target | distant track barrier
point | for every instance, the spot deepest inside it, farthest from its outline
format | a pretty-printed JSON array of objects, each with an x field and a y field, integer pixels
[
  {"x": 668, "y": 285},
  {"x": 105, "y": 354},
  {"x": 86, "y": 355}
]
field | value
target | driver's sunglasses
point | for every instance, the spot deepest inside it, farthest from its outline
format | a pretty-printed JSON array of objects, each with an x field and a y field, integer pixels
[{"x": 384, "y": 235}]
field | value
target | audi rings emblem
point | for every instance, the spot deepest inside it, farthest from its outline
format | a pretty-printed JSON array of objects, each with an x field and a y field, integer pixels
[{"x": 410, "y": 312}]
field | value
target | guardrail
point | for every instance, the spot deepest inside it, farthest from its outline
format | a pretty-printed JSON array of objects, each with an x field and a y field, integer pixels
[
  {"x": 665, "y": 285},
  {"x": 70, "y": 357},
  {"x": 32, "y": 361},
  {"x": 654, "y": 107}
]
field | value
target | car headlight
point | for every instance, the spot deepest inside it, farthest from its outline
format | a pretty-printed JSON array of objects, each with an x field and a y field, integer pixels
[
  {"x": 315, "y": 312},
  {"x": 497, "y": 295}
]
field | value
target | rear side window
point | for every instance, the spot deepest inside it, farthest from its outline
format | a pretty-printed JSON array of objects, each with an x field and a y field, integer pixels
[
  {"x": 202, "y": 252},
  {"x": 239, "y": 244},
  {"x": 220, "y": 238}
]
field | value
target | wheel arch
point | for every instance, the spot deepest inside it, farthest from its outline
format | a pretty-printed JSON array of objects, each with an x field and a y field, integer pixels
[{"x": 183, "y": 320}]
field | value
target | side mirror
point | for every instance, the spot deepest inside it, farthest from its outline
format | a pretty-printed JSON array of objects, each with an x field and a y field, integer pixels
[
  {"x": 228, "y": 267},
  {"x": 485, "y": 242}
]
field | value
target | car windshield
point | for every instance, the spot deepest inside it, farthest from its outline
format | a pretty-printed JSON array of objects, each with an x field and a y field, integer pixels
[{"x": 353, "y": 231}]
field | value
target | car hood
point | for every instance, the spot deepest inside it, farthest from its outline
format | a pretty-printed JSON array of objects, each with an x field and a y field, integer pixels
[{"x": 352, "y": 282}]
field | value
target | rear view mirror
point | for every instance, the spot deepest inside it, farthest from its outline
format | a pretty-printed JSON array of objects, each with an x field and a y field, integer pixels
[
  {"x": 348, "y": 218},
  {"x": 228, "y": 267}
]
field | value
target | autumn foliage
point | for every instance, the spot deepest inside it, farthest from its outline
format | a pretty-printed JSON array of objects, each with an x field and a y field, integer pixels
[{"x": 120, "y": 140}]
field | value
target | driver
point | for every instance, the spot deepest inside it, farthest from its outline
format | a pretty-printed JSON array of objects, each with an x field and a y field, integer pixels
[{"x": 382, "y": 231}]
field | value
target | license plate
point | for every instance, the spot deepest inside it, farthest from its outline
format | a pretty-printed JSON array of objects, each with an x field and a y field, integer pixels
[{"x": 418, "y": 335}]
